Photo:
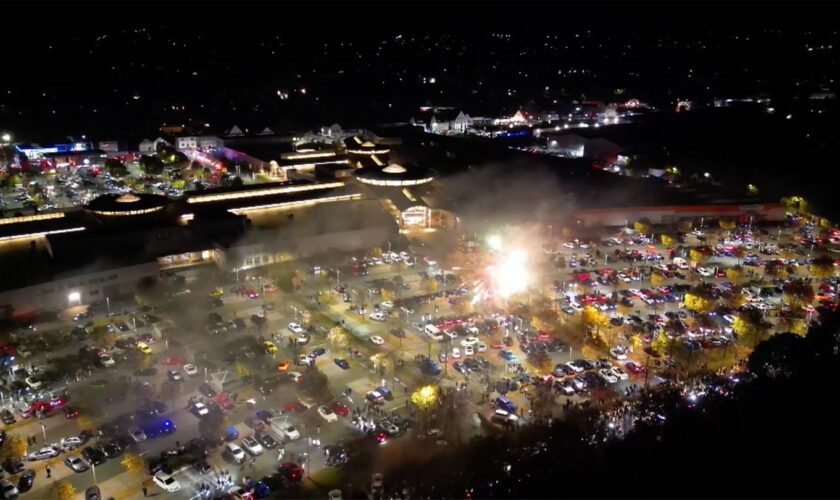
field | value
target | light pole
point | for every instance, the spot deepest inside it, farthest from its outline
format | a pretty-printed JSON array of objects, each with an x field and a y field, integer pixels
[
  {"x": 44, "y": 432},
  {"x": 108, "y": 304},
  {"x": 93, "y": 470}
]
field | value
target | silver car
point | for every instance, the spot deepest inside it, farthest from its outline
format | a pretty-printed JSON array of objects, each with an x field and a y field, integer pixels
[
  {"x": 137, "y": 434},
  {"x": 75, "y": 463}
]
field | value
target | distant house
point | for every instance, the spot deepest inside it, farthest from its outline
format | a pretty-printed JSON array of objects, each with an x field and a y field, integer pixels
[
  {"x": 192, "y": 142},
  {"x": 149, "y": 147},
  {"x": 443, "y": 120},
  {"x": 234, "y": 131}
]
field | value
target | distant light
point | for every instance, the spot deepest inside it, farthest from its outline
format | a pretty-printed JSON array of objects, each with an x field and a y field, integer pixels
[
  {"x": 74, "y": 297},
  {"x": 788, "y": 117},
  {"x": 7, "y": 138},
  {"x": 494, "y": 241},
  {"x": 432, "y": 80},
  {"x": 303, "y": 91}
]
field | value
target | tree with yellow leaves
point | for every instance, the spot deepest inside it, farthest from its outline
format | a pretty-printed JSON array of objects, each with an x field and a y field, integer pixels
[
  {"x": 666, "y": 240},
  {"x": 699, "y": 299},
  {"x": 64, "y": 490},
  {"x": 339, "y": 337},
  {"x": 594, "y": 319},
  {"x": 737, "y": 298},
  {"x": 798, "y": 293},
  {"x": 798, "y": 326},
  {"x": 776, "y": 268},
  {"x": 696, "y": 255},
  {"x": 542, "y": 362},
  {"x": 429, "y": 285},
  {"x": 750, "y": 327},
  {"x": 685, "y": 226},
  {"x": 134, "y": 463},
  {"x": 13, "y": 449},
  {"x": 823, "y": 267},
  {"x": 641, "y": 227},
  {"x": 544, "y": 320},
  {"x": 734, "y": 273},
  {"x": 660, "y": 344},
  {"x": 656, "y": 279}
]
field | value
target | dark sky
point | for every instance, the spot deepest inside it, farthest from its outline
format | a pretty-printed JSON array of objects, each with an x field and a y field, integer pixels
[{"x": 108, "y": 74}]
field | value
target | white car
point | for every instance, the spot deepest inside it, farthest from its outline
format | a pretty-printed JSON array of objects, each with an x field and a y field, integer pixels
[
  {"x": 575, "y": 366},
  {"x": 456, "y": 353},
  {"x": 71, "y": 443},
  {"x": 252, "y": 446},
  {"x": 404, "y": 255},
  {"x": 234, "y": 452},
  {"x": 481, "y": 347},
  {"x": 377, "y": 316},
  {"x": 607, "y": 375},
  {"x": 703, "y": 271},
  {"x": 469, "y": 350},
  {"x": 729, "y": 318},
  {"x": 619, "y": 353},
  {"x": 387, "y": 304},
  {"x": 296, "y": 328},
  {"x": 295, "y": 376},
  {"x": 327, "y": 414},
  {"x": 191, "y": 370},
  {"x": 107, "y": 361},
  {"x": 569, "y": 245},
  {"x": 469, "y": 341},
  {"x": 166, "y": 482},
  {"x": 376, "y": 339},
  {"x": 618, "y": 372},
  {"x": 34, "y": 383},
  {"x": 291, "y": 433},
  {"x": 43, "y": 453},
  {"x": 200, "y": 409}
]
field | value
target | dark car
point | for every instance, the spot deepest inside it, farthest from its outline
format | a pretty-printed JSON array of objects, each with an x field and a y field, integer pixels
[
  {"x": 202, "y": 467},
  {"x": 26, "y": 480},
  {"x": 267, "y": 441},
  {"x": 341, "y": 362},
  {"x": 7, "y": 417},
  {"x": 206, "y": 390},
  {"x": 239, "y": 323},
  {"x": 13, "y": 467},
  {"x": 318, "y": 351},
  {"x": 112, "y": 449},
  {"x": 94, "y": 456}
]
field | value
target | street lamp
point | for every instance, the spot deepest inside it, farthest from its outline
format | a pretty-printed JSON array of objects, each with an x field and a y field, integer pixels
[{"x": 108, "y": 303}]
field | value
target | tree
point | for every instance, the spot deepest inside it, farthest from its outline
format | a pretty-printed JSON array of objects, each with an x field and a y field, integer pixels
[
  {"x": 13, "y": 449},
  {"x": 699, "y": 299},
  {"x": 660, "y": 344},
  {"x": 541, "y": 361},
  {"x": 544, "y": 320},
  {"x": 151, "y": 165},
  {"x": 726, "y": 224},
  {"x": 685, "y": 226},
  {"x": 737, "y": 298},
  {"x": 593, "y": 318},
  {"x": 696, "y": 255},
  {"x": 776, "y": 268},
  {"x": 636, "y": 343},
  {"x": 656, "y": 279},
  {"x": 734, "y": 273},
  {"x": 666, "y": 240},
  {"x": 641, "y": 227},
  {"x": 134, "y": 463},
  {"x": 798, "y": 293},
  {"x": 315, "y": 383},
  {"x": 339, "y": 337},
  {"x": 115, "y": 167},
  {"x": 823, "y": 267},
  {"x": 750, "y": 327},
  {"x": 64, "y": 490},
  {"x": 798, "y": 326},
  {"x": 429, "y": 285}
]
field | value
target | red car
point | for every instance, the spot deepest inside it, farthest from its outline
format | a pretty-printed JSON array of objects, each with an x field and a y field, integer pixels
[
  {"x": 251, "y": 293},
  {"x": 224, "y": 401},
  {"x": 340, "y": 408},
  {"x": 634, "y": 367},
  {"x": 174, "y": 361},
  {"x": 42, "y": 406},
  {"x": 292, "y": 471},
  {"x": 70, "y": 412},
  {"x": 269, "y": 288},
  {"x": 543, "y": 335},
  {"x": 292, "y": 406}
]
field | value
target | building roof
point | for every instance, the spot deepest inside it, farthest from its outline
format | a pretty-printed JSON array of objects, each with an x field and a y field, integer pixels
[
  {"x": 129, "y": 202},
  {"x": 393, "y": 174}
]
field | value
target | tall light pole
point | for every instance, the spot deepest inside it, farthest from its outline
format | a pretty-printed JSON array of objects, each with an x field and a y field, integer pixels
[
  {"x": 108, "y": 303},
  {"x": 44, "y": 432}
]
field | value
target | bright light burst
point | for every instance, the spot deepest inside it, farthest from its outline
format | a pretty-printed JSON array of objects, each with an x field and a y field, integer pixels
[{"x": 504, "y": 278}]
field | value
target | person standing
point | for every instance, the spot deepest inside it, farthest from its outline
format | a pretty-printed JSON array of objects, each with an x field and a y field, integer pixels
[{"x": 49, "y": 472}]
